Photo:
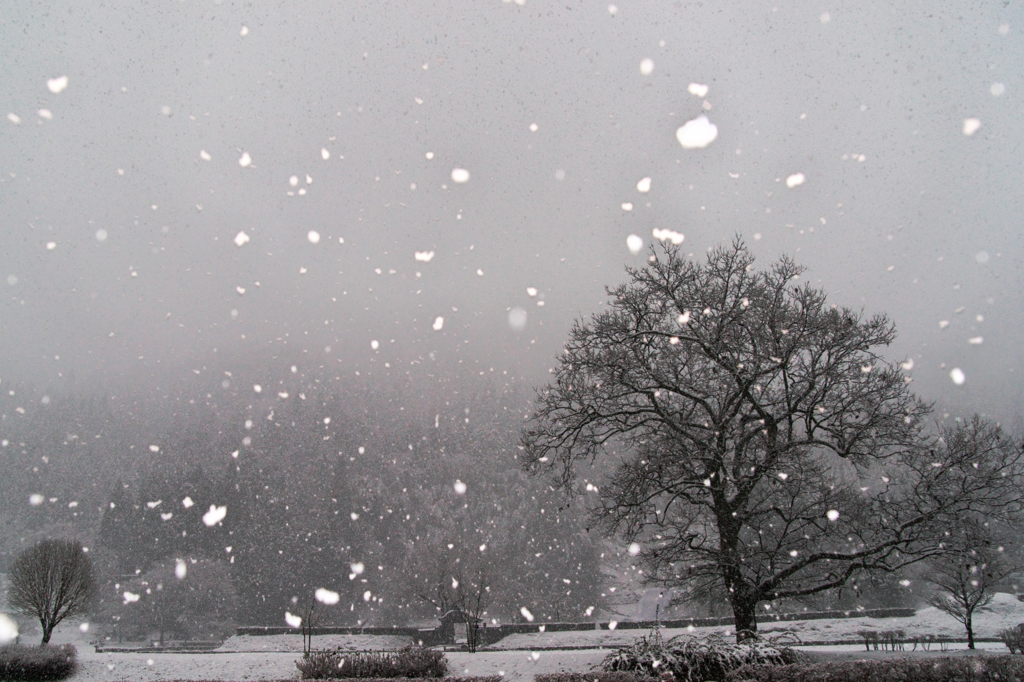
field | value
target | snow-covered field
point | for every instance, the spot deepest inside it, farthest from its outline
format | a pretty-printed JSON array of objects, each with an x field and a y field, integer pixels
[
  {"x": 517, "y": 666},
  {"x": 1004, "y": 612},
  {"x": 518, "y": 657}
]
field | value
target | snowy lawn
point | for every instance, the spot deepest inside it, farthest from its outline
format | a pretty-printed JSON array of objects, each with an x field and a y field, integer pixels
[
  {"x": 1004, "y": 612},
  {"x": 294, "y": 642},
  {"x": 519, "y": 657},
  {"x": 518, "y": 666}
]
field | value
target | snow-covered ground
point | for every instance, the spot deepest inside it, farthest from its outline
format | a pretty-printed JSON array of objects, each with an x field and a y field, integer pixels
[
  {"x": 518, "y": 657},
  {"x": 294, "y": 642},
  {"x": 517, "y": 666},
  {"x": 1004, "y": 612}
]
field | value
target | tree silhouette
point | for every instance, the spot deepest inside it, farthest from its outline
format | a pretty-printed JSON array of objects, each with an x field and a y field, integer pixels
[
  {"x": 764, "y": 448},
  {"x": 52, "y": 580}
]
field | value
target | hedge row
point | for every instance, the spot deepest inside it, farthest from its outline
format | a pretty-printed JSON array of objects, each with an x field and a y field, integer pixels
[
  {"x": 948, "y": 669},
  {"x": 408, "y": 662},
  {"x": 32, "y": 663}
]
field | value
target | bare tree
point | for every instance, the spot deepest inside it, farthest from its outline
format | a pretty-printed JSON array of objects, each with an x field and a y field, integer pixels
[
  {"x": 474, "y": 592},
  {"x": 966, "y": 577},
  {"x": 51, "y": 581},
  {"x": 764, "y": 448},
  {"x": 310, "y": 621}
]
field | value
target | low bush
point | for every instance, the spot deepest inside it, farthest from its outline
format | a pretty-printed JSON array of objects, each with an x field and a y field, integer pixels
[
  {"x": 19, "y": 662},
  {"x": 1013, "y": 638},
  {"x": 695, "y": 659},
  {"x": 959, "y": 669},
  {"x": 616, "y": 676},
  {"x": 411, "y": 661}
]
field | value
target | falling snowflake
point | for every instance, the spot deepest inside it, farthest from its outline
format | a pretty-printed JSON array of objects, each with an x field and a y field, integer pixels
[
  {"x": 57, "y": 85},
  {"x": 697, "y": 133},
  {"x": 215, "y": 515},
  {"x": 325, "y": 596}
]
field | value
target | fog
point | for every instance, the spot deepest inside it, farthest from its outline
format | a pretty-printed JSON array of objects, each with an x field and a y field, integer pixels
[{"x": 330, "y": 135}]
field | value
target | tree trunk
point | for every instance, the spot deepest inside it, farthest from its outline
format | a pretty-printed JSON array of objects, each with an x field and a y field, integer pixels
[
  {"x": 742, "y": 596},
  {"x": 744, "y": 611},
  {"x": 47, "y": 631},
  {"x": 970, "y": 630}
]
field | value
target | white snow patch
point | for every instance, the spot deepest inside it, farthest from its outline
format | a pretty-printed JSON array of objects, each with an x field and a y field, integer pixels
[
  {"x": 438, "y": 323},
  {"x": 180, "y": 569},
  {"x": 214, "y": 515},
  {"x": 313, "y": 236},
  {"x": 795, "y": 180},
  {"x": 647, "y": 67},
  {"x": 698, "y": 89},
  {"x": 424, "y": 256},
  {"x": 634, "y": 243},
  {"x": 668, "y": 235},
  {"x": 325, "y": 596},
  {"x": 517, "y": 319},
  {"x": 460, "y": 175},
  {"x": 697, "y": 133},
  {"x": 644, "y": 186},
  {"x": 460, "y": 487},
  {"x": 8, "y": 629},
  {"x": 958, "y": 376},
  {"x": 57, "y": 85},
  {"x": 245, "y": 160},
  {"x": 241, "y": 238},
  {"x": 293, "y": 621},
  {"x": 971, "y": 126},
  {"x": 526, "y": 614}
]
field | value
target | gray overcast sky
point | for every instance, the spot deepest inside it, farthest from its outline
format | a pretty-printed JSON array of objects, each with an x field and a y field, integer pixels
[{"x": 901, "y": 210}]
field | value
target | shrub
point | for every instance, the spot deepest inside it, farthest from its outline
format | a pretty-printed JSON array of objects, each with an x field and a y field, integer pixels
[
  {"x": 960, "y": 669},
  {"x": 1013, "y": 638},
  {"x": 616, "y": 676},
  {"x": 19, "y": 662},
  {"x": 693, "y": 659},
  {"x": 410, "y": 661}
]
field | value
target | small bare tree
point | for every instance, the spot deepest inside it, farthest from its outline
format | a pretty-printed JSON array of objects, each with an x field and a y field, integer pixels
[
  {"x": 967, "y": 576},
  {"x": 51, "y": 581},
  {"x": 310, "y": 621},
  {"x": 474, "y": 592}
]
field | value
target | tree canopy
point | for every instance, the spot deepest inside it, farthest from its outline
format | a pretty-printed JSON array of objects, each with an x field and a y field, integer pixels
[
  {"x": 52, "y": 580},
  {"x": 760, "y": 444}
]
